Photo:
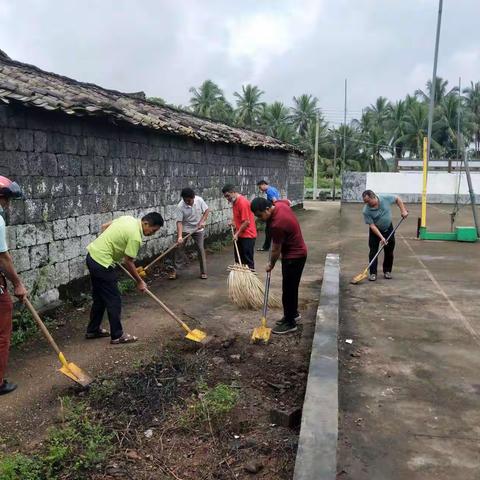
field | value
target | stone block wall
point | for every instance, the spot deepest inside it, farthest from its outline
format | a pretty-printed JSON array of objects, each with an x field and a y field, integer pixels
[{"x": 78, "y": 173}]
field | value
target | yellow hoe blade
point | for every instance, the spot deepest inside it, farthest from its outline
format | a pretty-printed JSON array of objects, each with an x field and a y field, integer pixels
[
  {"x": 196, "y": 335},
  {"x": 74, "y": 372},
  {"x": 262, "y": 333}
]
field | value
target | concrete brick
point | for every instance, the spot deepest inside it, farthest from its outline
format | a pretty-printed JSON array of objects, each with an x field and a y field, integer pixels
[
  {"x": 11, "y": 139},
  {"x": 11, "y": 235},
  {"x": 44, "y": 233},
  {"x": 26, "y": 235},
  {"x": 56, "y": 251},
  {"x": 72, "y": 248},
  {"x": 35, "y": 210},
  {"x": 21, "y": 259},
  {"x": 39, "y": 141},
  {"x": 38, "y": 256},
  {"x": 62, "y": 273},
  {"x": 25, "y": 140},
  {"x": 49, "y": 164},
  {"x": 77, "y": 268},
  {"x": 60, "y": 229}
]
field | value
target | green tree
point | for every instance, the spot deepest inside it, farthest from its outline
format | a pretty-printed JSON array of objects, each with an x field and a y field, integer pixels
[
  {"x": 249, "y": 107},
  {"x": 441, "y": 91},
  {"x": 208, "y": 100},
  {"x": 472, "y": 103},
  {"x": 304, "y": 112}
]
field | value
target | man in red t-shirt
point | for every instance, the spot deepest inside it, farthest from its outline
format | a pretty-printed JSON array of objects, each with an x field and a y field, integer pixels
[
  {"x": 244, "y": 222},
  {"x": 287, "y": 241}
]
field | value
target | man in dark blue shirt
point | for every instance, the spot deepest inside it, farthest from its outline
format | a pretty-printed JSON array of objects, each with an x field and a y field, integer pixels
[{"x": 272, "y": 195}]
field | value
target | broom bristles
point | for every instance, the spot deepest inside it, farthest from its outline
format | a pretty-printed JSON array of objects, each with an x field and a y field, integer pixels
[{"x": 246, "y": 290}]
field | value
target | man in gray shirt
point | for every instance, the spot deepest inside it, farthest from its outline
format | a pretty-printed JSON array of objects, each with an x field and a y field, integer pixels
[
  {"x": 191, "y": 215},
  {"x": 378, "y": 215}
]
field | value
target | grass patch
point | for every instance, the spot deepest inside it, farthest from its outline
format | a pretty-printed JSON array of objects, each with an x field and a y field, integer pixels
[
  {"x": 211, "y": 405},
  {"x": 79, "y": 445},
  {"x": 24, "y": 326}
]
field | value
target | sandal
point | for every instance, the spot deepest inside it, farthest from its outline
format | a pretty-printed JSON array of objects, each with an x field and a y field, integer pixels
[
  {"x": 101, "y": 333},
  {"x": 172, "y": 276},
  {"x": 125, "y": 338},
  {"x": 203, "y": 276}
]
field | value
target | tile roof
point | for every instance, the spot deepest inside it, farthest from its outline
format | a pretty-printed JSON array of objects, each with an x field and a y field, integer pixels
[{"x": 31, "y": 86}]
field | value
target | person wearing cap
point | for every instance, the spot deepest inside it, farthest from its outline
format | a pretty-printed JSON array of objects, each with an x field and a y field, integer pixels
[
  {"x": 245, "y": 228},
  {"x": 191, "y": 215},
  {"x": 120, "y": 240},
  {"x": 8, "y": 190},
  {"x": 272, "y": 195},
  {"x": 287, "y": 243}
]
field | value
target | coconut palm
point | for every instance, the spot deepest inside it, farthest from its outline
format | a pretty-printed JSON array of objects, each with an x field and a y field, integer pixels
[
  {"x": 395, "y": 126},
  {"x": 472, "y": 103},
  {"x": 304, "y": 112},
  {"x": 275, "y": 122},
  {"x": 441, "y": 91},
  {"x": 206, "y": 98},
  {"x": 249, "y": 107}
]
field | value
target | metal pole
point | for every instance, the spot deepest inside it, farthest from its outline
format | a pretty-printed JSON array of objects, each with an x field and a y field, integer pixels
[
  {"x": 334, "y": 168},
  {"x": 315, "y": 165},
  {"x": 342, "y": 167},
  {"x": 472, "y": 193},
  {"x": 424, "y": 188},
  {"x": 458, "y": 121},
  {"x": 434, "y": 82}
]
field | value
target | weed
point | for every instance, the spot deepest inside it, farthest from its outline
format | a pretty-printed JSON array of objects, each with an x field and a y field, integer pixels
[
  {"x": 20, "y": 467},
  {"x": 24, "y": 326},
  {"x": 71, "y": 450},
  {"x": 126, "y": 285},
  {"x": 212, "y": 405}
]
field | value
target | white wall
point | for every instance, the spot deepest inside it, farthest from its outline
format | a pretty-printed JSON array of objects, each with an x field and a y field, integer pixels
[{"x": 410, "y": 183}]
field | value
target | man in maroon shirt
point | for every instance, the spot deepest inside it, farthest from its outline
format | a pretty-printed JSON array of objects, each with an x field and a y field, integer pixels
[{"x": 287, "y": 241}]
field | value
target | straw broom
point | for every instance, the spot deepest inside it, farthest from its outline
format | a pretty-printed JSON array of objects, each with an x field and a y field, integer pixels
[{"x": 244, "y": 287}]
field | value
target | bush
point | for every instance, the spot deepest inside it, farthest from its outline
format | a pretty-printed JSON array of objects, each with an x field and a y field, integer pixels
[{"x": 126, "y": 285}]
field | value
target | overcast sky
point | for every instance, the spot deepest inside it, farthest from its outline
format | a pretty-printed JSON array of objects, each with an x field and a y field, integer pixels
[{"x": 286, "y": 47}]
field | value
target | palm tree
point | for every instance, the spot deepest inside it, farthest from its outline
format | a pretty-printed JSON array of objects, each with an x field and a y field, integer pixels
[
  {"x": 304, "y": 112},
  {"x": 275, "y": 117},
  {"x": 472, "y": 102},
  {"x": 205, "y": 98},
  {"x": 249, "y": 106},
  {"x": 440, "y": 91},
  {"x": 379, "y": 111},
  {"x": 395, "y": 127}
]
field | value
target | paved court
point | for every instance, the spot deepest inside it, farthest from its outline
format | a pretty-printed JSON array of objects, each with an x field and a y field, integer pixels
[{"x": 410, "y": 381}]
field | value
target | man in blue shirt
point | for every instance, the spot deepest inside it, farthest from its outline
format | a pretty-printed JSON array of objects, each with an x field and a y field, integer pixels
[
  {"x": 378, "y": 215},
  {"x": 272, "y": 195}
]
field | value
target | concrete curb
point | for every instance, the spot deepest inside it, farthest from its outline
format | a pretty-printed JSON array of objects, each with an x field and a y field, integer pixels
[{"x": 317, "y": 447}]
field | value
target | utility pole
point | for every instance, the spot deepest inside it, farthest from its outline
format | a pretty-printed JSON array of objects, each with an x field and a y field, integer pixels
[
  {"x": 315, "y": 166},
  {"x": 458, "y": 124},
  {"x": 434, "y": 82},
  {"x": 334, "y": 167},
  {"x": 342, "y": 166}
]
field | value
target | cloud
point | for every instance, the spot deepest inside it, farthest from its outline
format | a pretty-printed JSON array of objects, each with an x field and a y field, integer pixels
[{"x": 286, "y": 47}]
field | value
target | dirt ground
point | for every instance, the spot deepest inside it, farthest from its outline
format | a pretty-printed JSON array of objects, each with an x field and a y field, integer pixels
[
  {"x": 409, "y": 382},
  {"x": 268, "y": 377}
]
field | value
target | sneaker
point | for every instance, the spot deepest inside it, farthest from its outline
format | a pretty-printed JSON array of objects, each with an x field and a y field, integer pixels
[
  {"x": 7, "y": 387},
  {"x": 388, "y": 275},
  {"x": 284, "y": 327},
  {"x": 373, "y": 277},
  {"x": 297, "y": 319}
]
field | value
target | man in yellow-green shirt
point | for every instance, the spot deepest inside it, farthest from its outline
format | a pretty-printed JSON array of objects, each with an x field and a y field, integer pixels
[{"x": 120, "y": 240}]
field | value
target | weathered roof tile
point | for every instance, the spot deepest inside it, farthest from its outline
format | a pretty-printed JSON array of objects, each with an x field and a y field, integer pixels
[{"x": 32, "y": 86}]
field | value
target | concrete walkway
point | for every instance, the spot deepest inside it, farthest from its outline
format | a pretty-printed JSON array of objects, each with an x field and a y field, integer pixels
[{"x": 410, "y": 384}]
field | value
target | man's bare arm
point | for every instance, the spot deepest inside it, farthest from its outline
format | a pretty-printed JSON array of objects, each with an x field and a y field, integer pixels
[{"x": 7, "y": 267}]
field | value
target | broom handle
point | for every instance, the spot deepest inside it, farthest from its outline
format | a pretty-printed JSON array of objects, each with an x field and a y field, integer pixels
[
  {"x": 236, "y": 246},
  {"x": 164, "y": 307},
  {"x": 173, "y": 247},
  {"x": 267, "y": 287},
  {"x": 383, "y": 246},
  {"x": 42, "y": 326}
]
